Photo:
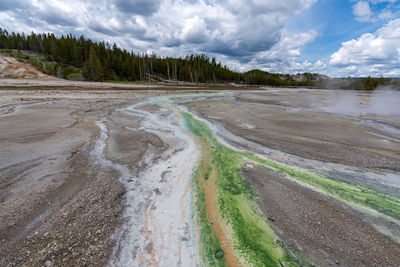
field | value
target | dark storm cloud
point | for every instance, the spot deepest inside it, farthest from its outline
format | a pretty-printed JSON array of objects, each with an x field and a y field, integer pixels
[
  {"x": 172, "y": 43},
  {"x": 10, "y": 5},
  {"x": 57, "y": 19},
  {"x": 26, "y": 12},
  {"x": 138, "y": 7},
  {"x": 236, "y": 30}
]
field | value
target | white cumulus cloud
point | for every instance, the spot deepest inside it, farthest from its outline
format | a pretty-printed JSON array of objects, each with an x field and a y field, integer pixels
[
  {"x": 233, "y": 30},
  {"x": 375, "y": 53},
  {"x": 364, "y": 12}
]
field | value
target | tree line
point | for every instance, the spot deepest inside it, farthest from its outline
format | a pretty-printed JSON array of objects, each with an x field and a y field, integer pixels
[
  {"x": 365, "y": 83},
  {"x": 100, "y": 61}
]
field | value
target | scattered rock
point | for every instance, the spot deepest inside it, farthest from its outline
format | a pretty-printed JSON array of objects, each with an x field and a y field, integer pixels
[{"x": 157, "y": 191}]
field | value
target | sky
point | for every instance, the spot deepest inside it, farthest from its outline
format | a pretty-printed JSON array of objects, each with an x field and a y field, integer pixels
[{"x": 338, "y": 38}]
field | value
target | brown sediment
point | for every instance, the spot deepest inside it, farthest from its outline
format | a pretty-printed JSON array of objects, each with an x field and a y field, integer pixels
[
  {"x": 141, "y": 254},
  {"x": 219, "y": 226}
]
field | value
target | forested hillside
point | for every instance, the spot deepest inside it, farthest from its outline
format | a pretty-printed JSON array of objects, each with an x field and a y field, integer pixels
[
  {"x": 102, "y": 61},
  {"x": 70, "y": 57}
]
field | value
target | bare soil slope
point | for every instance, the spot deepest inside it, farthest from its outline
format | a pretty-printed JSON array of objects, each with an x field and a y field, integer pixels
[{"x": 11, "y": 68}]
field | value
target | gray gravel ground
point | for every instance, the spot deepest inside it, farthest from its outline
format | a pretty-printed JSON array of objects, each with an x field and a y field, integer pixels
[{"x": 57, "y": 206}]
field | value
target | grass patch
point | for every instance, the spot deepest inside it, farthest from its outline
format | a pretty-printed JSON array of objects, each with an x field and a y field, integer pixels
[
  {"x": 46, "y": 66},
  {"x": 14, "y": 53}
]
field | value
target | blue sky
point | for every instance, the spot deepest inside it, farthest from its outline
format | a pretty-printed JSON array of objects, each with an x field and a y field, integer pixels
[
  {"x": 337, "y": 22},
  {"x": 334, "y": 37}
]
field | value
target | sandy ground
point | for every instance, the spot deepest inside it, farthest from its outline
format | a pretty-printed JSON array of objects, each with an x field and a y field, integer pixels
[
  {"x": 96, "y": 177},
  {"x": 59, "y": 83},
  {"x": 61, "y": 201},
  {"x": 47, "y": 184},
  {"x": 301, "y": 123},
  {"x": 82, "y": 182}
]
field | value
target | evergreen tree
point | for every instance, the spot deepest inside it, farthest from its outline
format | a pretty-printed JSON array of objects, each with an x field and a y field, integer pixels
[
  {"x": 92, "y": 69},
  {"x": 99, "y": 60}
]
